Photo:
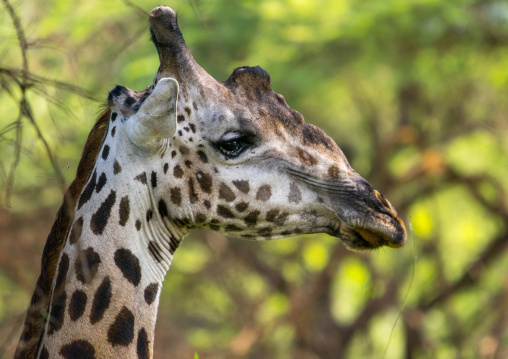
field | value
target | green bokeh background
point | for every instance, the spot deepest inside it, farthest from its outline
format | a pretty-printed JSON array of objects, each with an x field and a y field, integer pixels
[{"x": 414, "y": 92}]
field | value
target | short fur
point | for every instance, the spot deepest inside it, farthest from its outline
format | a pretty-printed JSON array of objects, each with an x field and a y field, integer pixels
[{"x": 36, "y": 317}]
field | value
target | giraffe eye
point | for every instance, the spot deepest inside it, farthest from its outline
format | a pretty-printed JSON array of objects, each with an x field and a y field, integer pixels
[
  {"x": 233, "y": 144},
  {"x": 231, "y": 148}
]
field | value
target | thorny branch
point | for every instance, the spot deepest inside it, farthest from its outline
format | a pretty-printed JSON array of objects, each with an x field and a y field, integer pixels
[
  {"x": 23, "y": 86},
  {"x": 26, "y": 81},
  {"x": 33, "y": 80},
  {"x": 140, "y": 11}
]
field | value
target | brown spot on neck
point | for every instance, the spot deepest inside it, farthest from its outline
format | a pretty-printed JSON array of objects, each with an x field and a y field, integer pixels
[
  {"x": 226, "y": 193},
  {"x": 205, "y": 181},
  {"x": 264, "y": 193},
  {"x": 242, "y": 186},
  {"x": 121, "y": 331},
  {"x": 242, "y": 206}
]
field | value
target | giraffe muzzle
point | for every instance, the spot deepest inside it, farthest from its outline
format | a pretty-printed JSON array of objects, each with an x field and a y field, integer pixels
[
  {"x": 368, "y": 219},
  {"x": 373, "y": 233},
  {"x": 362, "y": 217}
]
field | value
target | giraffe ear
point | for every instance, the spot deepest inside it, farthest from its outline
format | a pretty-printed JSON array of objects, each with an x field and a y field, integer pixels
[{"x": 156, "y": 118}]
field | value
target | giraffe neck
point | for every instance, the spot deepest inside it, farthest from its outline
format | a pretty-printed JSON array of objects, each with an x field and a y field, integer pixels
[
  {"x": 106, "y": 306},
  {"x": 110, "y": 272}
]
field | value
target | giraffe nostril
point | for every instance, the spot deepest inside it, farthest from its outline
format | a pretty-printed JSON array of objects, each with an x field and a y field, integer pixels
[{"x": 384, "y": 202}]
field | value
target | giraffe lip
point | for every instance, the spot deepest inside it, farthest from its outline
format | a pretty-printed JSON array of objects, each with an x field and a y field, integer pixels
[
  {"x": 357, "y": 238},
  {"x": 372, "y": 238}
]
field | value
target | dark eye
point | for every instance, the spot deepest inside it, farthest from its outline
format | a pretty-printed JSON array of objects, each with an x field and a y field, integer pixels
[
  {"x": 231, "y": 148},
  {"x": 234, "y": 143}
]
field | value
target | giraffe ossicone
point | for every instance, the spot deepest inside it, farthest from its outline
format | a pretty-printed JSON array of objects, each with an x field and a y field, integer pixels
[{"x": 187, "y": 152}]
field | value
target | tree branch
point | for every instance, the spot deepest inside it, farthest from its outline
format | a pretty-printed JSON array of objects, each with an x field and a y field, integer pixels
[
  {"x": 23, "y": 86},
  {"x": 33, "y": 79},
  {"x": 496, "y": 248}
]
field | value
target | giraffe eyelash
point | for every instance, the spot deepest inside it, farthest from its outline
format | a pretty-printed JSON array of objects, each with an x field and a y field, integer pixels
[{"x": 233, "y": 146}]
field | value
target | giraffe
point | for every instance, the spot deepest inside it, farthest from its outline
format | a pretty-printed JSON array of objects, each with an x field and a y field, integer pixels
[{"x": 187, "y": 152}]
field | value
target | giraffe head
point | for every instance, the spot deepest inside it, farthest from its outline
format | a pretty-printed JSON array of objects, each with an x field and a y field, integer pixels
[{"x": 233, "y": 157}]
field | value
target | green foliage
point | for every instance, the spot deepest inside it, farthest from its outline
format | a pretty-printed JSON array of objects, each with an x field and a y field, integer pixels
[{"x": 414, "y": 92}]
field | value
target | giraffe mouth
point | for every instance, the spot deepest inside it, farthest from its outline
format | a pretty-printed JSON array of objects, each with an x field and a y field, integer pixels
[{"x": 360, "y": 239}]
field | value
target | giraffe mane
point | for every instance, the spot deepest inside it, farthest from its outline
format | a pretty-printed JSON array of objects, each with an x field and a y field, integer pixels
[{"x": 37, "y": 317}]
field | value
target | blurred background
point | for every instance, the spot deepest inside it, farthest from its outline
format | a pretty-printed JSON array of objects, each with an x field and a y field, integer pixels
[{"x": 415, "y": 92}]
